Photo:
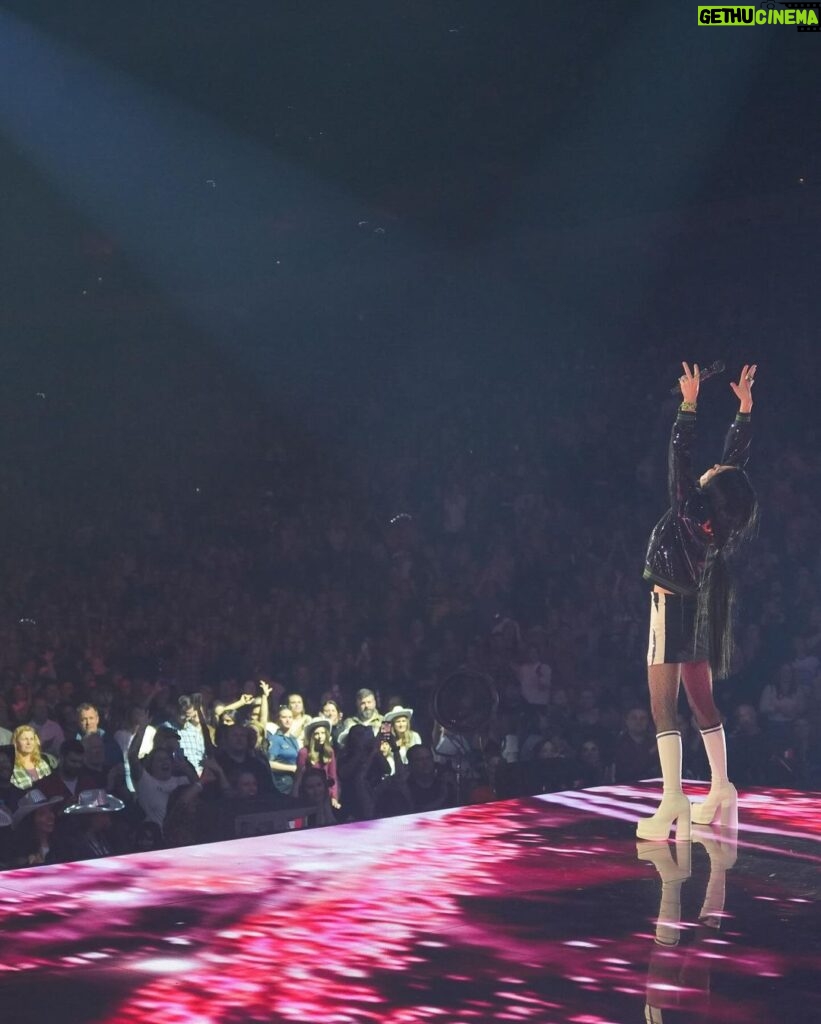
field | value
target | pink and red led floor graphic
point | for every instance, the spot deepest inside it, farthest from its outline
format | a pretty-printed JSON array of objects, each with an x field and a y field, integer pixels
[{"x": 535, "y": 910}]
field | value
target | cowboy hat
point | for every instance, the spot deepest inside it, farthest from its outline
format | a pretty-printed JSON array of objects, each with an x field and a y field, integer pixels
[
  {"x": 94, "y": 801},
  {"x": 31, "y": 802},
  {"x": 398, "y": 712},
  {"x": 315, "y": 723}
]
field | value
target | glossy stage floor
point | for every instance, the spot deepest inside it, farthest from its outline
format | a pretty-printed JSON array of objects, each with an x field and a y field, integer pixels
[{"x": 543, "y": 909}]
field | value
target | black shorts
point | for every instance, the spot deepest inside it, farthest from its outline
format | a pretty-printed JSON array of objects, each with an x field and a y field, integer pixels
[{"x": 673, "y": 635}]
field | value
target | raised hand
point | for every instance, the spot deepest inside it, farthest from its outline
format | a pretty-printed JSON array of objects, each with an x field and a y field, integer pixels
[
  {"x": 744, "y": 389},
  {"x": 688, "y": 382}
]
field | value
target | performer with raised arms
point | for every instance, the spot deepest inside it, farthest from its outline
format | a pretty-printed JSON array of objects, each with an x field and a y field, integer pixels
[{"x": 691, "y": 603}]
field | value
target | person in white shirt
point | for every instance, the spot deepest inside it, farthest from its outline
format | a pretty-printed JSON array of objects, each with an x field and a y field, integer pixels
[
  {"x": 137, "y": 719},
  {"x": 156, "y": 776}
]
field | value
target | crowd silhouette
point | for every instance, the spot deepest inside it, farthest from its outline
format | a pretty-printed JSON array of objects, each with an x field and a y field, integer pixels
[{"x": 273, "y": 646}]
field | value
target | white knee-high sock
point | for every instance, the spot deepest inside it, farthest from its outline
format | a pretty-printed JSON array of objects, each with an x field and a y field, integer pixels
[
  {"x": 715, "y": 744},
  {"x": 669, "y": 748}
]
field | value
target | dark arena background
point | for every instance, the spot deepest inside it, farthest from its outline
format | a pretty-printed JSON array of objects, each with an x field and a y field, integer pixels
[{"x": 338, "y": 359}]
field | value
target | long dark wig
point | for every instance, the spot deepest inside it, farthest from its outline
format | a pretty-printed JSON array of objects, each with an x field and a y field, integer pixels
[{"x": 733, "y": 509}]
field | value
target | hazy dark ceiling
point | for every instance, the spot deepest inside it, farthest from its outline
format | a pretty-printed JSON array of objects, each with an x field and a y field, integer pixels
[{"x": 429, "y": 111}]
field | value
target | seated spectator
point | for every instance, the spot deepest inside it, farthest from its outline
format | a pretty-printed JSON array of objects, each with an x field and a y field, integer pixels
[
  {"x": 748, "y": 749},
  {"x": 94, "y": 759},
  {"x": 89, "y": 832},
  {"x": 48, "y": 731},
  {"x": 20, "y": 698},
  {"x": 313, "y": 790},
  {"x": 366, "y": 714},
  {"x": 782, "y": 702},
  {"x": 560, "y": 709},
  {"x": 318, "y": 752},
  {"x": 634, "y": 756},
  {"x": 30, "y": 765},
  {"x": 147, "y": 837},
  {"x": 246, "y": 787},
  {"x": 586, "y": 721},
  {"x": 10, "y": 794},
  {"x": 609, "y": 728},
  {"x": 535, "y": 677},
  {"x": 34, "y": 823},
  {"x": 592, "y": 770},
  {"x": 233, "y": 756},
  {"x": 65, "y": 714},
  {"x": 283, "y": 751},
  {"x": 184, "y": 823},
  {"x": 425, "y": 785},
  {"x": 71, "y": 776},
  {"x": 88, "y": 721}
]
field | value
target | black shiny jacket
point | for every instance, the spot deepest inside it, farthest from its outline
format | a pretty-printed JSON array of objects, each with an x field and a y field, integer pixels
[{"x": 681, "y": 539}]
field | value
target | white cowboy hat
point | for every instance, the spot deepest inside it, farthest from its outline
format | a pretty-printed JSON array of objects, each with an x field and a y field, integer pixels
[
  {"x": 315, "y": 723},
  {"x": 398, "y": 712},
  {"x": 94, "y": 801},
  {"x": 33, "y": 800}
]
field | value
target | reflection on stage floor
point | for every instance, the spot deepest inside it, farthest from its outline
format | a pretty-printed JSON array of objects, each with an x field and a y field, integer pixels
[{"x": 543, "y": 909}]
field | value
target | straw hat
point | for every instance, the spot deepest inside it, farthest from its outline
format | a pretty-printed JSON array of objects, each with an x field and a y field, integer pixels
[
  {"x": 31, "y": 802},
  {"x": 398, "y": 712},
  {"x": 94, "y": 801}
]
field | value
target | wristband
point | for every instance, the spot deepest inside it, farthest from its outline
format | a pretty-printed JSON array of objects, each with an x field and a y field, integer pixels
[{"x": 687, "y": 407}]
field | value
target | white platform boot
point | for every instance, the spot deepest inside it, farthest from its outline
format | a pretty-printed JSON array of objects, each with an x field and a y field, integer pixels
[
  {"x": 722, "y": 800},
  {"x": 674, "y": 808}
]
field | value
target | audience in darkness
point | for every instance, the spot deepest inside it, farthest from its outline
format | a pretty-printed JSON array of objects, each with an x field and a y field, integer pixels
[{"x": 164, "y": 632}]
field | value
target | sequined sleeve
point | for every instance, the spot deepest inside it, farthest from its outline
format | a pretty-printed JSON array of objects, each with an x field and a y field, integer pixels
[
  {"x": 681, "y": 481},
  {"x": 737, "y": 442}
]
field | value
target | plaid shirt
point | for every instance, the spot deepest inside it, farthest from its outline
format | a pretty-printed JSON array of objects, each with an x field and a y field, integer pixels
[
  {"x": 192, "y": 743},
  {"x": 21, "y": 778}
]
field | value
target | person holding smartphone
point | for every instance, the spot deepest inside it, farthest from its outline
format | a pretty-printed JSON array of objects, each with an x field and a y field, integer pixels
[{"x": 398, "y": 724}]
